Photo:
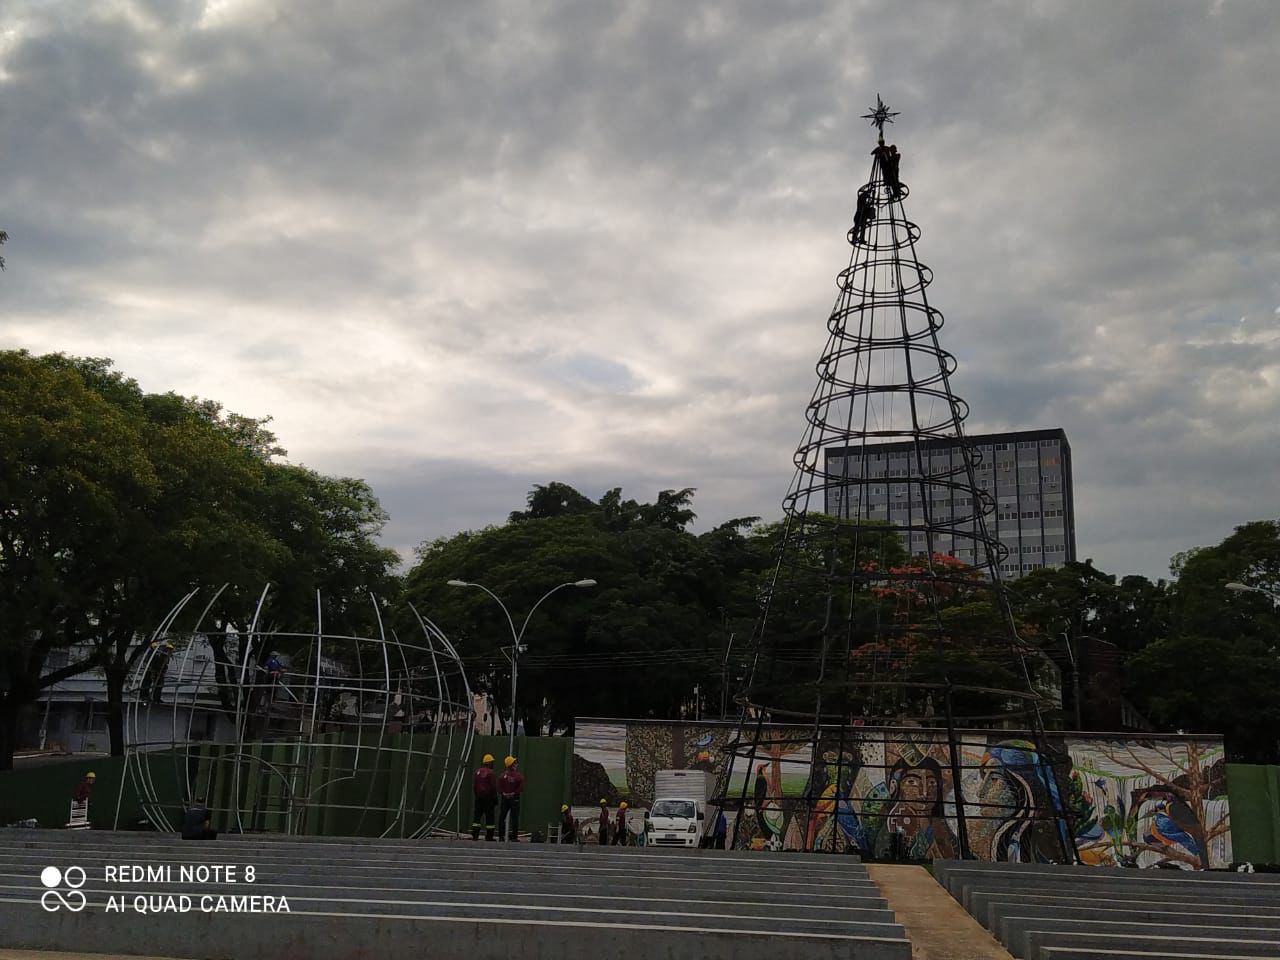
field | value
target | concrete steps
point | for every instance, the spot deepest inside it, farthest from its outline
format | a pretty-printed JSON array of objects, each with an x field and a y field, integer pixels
[
  {"x": 443, "y": 899},
  {"x": 1047, "y": 912}
]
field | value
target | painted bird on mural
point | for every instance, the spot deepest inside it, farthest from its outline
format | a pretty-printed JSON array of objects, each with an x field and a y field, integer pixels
[
  {"x": 833, "y": 798},
  {"x": 849, "y": 823},
  {"x": 1173, "y": 822},
  {"x": 1166, "y": 831}
]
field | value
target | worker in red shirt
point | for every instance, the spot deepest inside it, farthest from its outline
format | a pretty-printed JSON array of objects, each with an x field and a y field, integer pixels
[
  {"x": 510, "y": 787},
  {"x": 84, "y": 789},
  {"x": 568, "y": 826},
  {"x": 484, "y": 787},
  {"x": 620, "y": 837},
  {"x": 604, "y": 822}
]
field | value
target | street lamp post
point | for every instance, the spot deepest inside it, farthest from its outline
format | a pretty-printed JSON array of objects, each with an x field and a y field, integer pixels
[
  {"x": 724, "y": 680},
  {"x": 1075, "y": 678},
  {"x": 517, "y": 637}
]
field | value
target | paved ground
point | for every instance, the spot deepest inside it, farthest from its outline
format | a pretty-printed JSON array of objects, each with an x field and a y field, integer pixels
[{"x": 938, "y": 927}]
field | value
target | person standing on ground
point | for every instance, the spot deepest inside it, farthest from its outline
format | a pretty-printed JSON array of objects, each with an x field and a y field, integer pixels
[
  {"x": 762, "y": 794},
  {"x": 620, "y": 837},
  {"x": 195, "y": 823},
  {"x": 484, "y": 788},
  {"x": 721, "y": 830},
  {"x": 510, "y": 787},
  {"x": 604, "y": 822},
  {"x": 568, "y": 826}
]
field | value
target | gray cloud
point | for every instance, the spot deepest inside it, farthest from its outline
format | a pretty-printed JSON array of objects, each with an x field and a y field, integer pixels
[{"x": 461, "y": 249}]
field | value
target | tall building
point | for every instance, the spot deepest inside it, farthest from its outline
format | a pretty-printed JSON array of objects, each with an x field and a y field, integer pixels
[{"x": 1028, "y": 472}]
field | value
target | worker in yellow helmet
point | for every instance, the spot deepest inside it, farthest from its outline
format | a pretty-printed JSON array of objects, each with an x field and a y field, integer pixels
[
  {"x": 620, "y": 835},
  {"x": 85, "y": 789},
  {"x": 484, "y": 787},
  {"x": 568, "y": 826},
  {"x": 604, "y": 822},
  {"x": 510, "y": 789}
]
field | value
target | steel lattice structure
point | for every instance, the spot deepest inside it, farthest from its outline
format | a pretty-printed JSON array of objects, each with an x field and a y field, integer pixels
[
  {"x": 303, "y": 732},
  {"x": 886, "y": 603}
]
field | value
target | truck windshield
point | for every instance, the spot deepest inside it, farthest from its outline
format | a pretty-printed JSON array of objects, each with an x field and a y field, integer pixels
[{"x": 673, "y": 808}]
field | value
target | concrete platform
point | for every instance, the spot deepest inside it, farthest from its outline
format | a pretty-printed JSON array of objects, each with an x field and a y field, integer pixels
[
  {"x": 1043, "y": 911},
  {"x": 440, "y": 898},
  {"x": 1087, "y": 953}
]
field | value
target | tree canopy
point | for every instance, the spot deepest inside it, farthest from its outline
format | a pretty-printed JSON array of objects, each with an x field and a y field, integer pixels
[
  {"x": 1191, "y": 654},
  {"x": 637, "y": 644},
  {"x": 115, "y": 502}
]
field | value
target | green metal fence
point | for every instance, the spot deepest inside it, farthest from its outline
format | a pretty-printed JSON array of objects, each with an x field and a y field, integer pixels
[
  {"x": 349, "y": 802},
  {"x": 1254, "y": 793}
]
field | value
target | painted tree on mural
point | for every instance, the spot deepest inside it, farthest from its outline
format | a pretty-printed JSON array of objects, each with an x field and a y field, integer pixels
[{"x": 1167, "y": 802}]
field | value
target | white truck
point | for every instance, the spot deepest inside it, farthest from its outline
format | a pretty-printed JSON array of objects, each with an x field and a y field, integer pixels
[{"x": 680, "y": 815}]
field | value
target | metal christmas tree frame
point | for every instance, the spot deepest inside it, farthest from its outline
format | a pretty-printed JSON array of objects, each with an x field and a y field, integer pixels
[{"x": 886, "y": 603}]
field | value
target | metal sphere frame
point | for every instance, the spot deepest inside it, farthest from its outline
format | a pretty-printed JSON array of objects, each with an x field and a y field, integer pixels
[{"x": 342, "y": 708}]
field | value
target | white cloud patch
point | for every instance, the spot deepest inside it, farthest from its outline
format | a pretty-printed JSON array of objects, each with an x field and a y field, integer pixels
[{"x": 462, "y": 249}]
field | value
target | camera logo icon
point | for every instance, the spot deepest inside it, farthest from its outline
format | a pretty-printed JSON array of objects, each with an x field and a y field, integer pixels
[{"x": 53, "y": 899}]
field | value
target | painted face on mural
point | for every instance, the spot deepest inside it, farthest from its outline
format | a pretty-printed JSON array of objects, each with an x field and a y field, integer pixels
[
  {"x": 996, "y": 799},
  {"x": 918, "y": 791}
]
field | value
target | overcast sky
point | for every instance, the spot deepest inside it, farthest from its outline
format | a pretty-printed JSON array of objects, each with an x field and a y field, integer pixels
[{"x": 461, "y": 248}]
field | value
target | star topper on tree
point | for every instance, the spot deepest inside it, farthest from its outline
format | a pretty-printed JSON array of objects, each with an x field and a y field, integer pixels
[{"x": 880, "y": 115}]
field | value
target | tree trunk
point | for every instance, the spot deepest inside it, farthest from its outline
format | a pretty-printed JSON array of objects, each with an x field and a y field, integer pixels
[
  {"x": 115, "y": 672},
  {"x": 8, "y": 730}
]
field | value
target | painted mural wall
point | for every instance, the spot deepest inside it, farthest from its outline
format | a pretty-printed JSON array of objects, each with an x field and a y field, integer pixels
[{"x": 890, "y": 792}]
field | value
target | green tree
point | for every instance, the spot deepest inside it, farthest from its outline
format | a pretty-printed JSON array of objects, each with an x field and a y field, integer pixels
[
  {"x": 1218, "y": 669},
  {"x": 1074, "y": 607},
  {"x": 1214, "y": 684},
  {"x": 73, "y": 474},
  {"x": 114, "y": 503},
  {"x": 635, "y": 645},
  {"x": 1201, "y": 602}
]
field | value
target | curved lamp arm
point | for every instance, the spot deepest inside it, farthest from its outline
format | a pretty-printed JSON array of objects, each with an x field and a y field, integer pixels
[
  {"x": 524, "y": 626},
  {"x": 505, "y": 611}
]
